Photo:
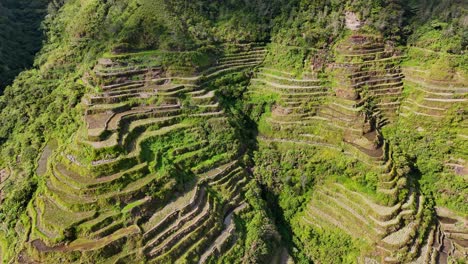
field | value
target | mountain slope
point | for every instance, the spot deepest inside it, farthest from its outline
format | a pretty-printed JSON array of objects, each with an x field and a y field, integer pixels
[{"x": 240, "y": 131}]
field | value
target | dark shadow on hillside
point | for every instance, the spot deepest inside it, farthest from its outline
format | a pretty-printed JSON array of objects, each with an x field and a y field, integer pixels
[
  {"x": 248, "y": 133},
  {"x": 21, "y": 36}
]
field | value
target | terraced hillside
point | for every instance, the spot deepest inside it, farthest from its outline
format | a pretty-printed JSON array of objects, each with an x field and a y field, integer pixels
[
  {"x": 145, "y": 177},
  {"x": 341, "y": 110},
  {"x": 347, "y": 108},
  {"x": 265, "y": 131},
  {"x": 436, "y": 95}
]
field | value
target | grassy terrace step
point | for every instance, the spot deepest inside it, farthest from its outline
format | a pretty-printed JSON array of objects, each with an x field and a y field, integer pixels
[
  {"x": 215, "y": 161},
  {"x": 379, "y": 84},
  {"x": 296, "y": 98},
  {"x": 372, "y": 63},
  {"x": 277, "y": 72},
  {"x": 310, "y": 125},
  {"x": 288, "y": 88},
  {"x": 143, "y": 92},
  {"x": 175, "y": 221},
  {"x": 169, "y": 243},
  {"x": 200, "y": 234},
  {"x": 420, "y": 109},
  {"x": 374, "y": 77},
  {"x": 194, "y": 251},
  {"x": 103, "y": 219},
  {"x": 361, "y": 50},
  {"x": 388, "y": 180},
  {"x": 82, "y": 201},
  {"x": 300, "y": 142},
  {"x": 349, "y": 216},
  {"x": 367, "y": 54},
  {"x": 256, "y": 52},
  {"x": 409, "y": 103},
  {"x": 412, "y": 112},
  {"x": 114, "y": 108},
  {"x": 121, "y": 72},
  {"x": 243, "y": 57},
  {"x": 445, "y": 100},
  {"x": 218, "y": 246},
  {"x": 218, "y": 172},
  {"x": 204, "y": 98},
  {"x": 439, "y": 94},
  {"x": 222, "y": 179},
  {"x": 338, "y": 112},
  {"x": 143, "y": 89},
  {"x": 97, "y": 122},
  {"x": 339, "y": 107},
  {"x": 138, "y": 112},
  {"x": 426, "y": 250},
  {"x": 210, "y": 77},
  {"x": 58, "y": 217},
  {"x": 400, "y": 238},
  {"x": 448, "y": 88},
  {"x": 123, "y": 67},
  {"x": 139, "y": 127},
  {"x": 87, "y": 186},
  {"x": 364, "y": 215},
  {"x": 116, "y": 225},
  {"x": 309, "y": 96},
  {"x": 324, "y": 207},
  {"x": 224, "y": 67},
  {"x": 39, "y": 229},
  {"x": 167, "y": 215},
  {"x": 131, "y": 159},
  {"x": 123, "y": 86},
  {"x": 206, "y": 108},
  {"x": 185, "y": 203},
  {"x": 193, "y": 156},
  {"x": 119, "y": 98},
  {"x": 84, "y": 245},
  {"x": 315, "y": 215},
  {"x": 125, "y": 138},
  {"x": 258, "y": 57},
  {"x": 392, "y": 91},
  {"x": 288, "y": 81},
  {"x": 372, "y": 72},
  {"x": 187, "y": 81},
  {"x": 379, "y": 212},
  {"x": 236, "y": 192},
  {"x": 425, "y": 74},
  {"x": 187, "y": 148},
  {"x": 230, "y": 184},
  {"x": 341, "y": 124}
]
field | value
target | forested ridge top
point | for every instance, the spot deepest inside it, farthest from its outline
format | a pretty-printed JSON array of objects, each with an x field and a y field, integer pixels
[{"x": 314, "y": 110}]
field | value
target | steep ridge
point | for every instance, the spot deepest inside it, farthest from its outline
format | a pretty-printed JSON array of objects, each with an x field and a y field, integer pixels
[
  {"x": 103, "y": 192},
  {"x": 344, "y": 110},
  {"x": 365, "y": 98}
]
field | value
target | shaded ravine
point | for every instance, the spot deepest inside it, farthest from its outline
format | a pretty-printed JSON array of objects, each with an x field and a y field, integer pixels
[{"x": 20, "y": 36}]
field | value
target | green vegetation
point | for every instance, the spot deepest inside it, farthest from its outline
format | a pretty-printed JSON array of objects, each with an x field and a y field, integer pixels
[{"x": 232, "y": 131}]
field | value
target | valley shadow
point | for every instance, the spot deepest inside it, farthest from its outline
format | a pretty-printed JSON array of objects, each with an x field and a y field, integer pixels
[{"x": 21, "y": 36}]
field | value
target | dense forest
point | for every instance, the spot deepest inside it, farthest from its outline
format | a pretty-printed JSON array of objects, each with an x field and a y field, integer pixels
[{"x": 308, "y": 131}]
